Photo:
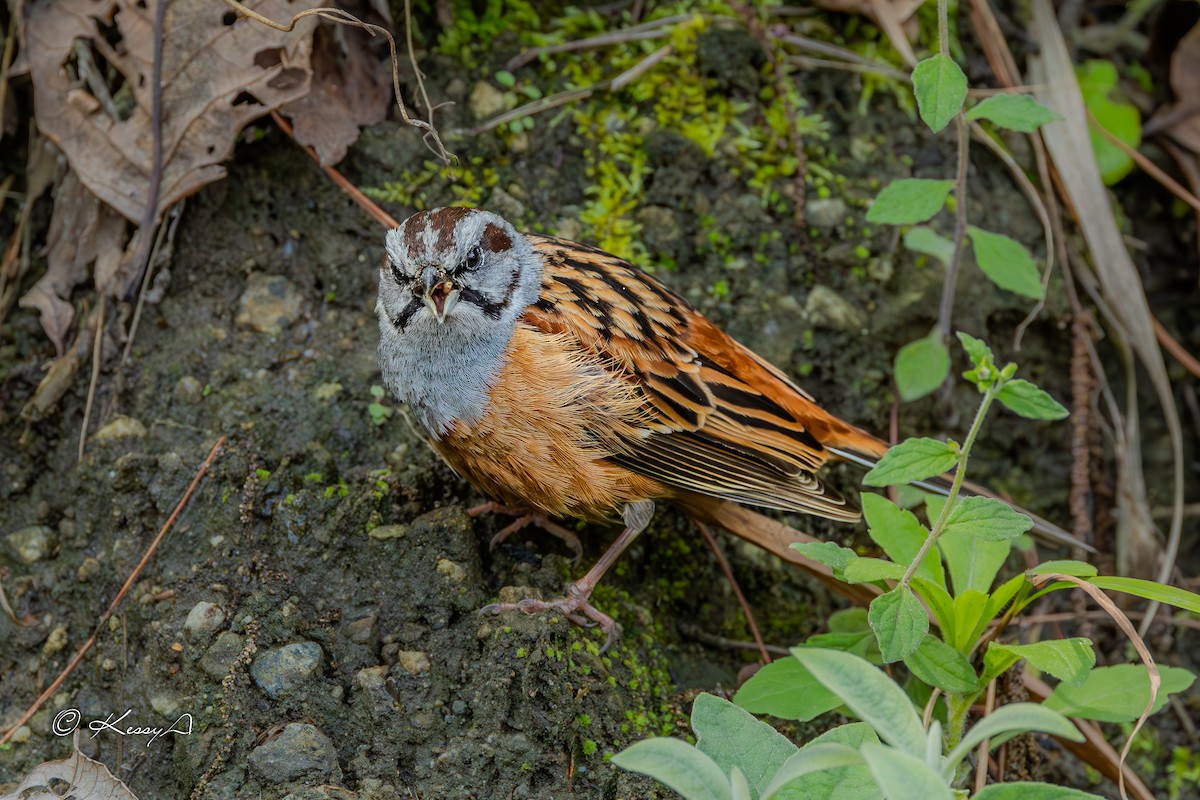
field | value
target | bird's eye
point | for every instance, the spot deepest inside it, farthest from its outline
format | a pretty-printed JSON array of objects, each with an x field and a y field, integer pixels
[{"x": 471, "y": 262}]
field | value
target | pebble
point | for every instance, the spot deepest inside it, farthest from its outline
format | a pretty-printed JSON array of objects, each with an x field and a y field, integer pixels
[
  {"x": 452, "y": 572},
  {"x": 56, "y": 641},
  {"x": 87, "y": 569},
  {"x": 825, "y": 212},
  {"x": 486, "y": 101},
  {"x": 269, "y": 304},
  {"x": 218, "y": 659},
  {"x": 189, "y": 390},
  {"x": 121, "y": 427},
  {"x": 388, "y": 532},
  {"x": 203, "y": 620},
  {"x": 32, "y": 544},
  {"x": 299, "y": 751},
  {"x": 827, "y": 308},
  {"x": 282, "y": 669},
  {"x": 504, "y": 204},
  {"x": 414, "y": 662}
]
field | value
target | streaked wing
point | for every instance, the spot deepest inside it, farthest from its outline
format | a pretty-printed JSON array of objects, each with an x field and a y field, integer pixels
[{"x": 716, "y": 420}]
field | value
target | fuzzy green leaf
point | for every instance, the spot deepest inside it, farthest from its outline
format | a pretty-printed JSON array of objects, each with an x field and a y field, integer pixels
[
  {"x": 1150, "y": 590},
  {"x": 1069, "y": 660},
  {"x": 1008, "y": 721},
  {"x": 973, "y": 562},
  {"x": 1077, "y": 569},
  {"x": 1006, "y": 262},
  {"x": 677, "y": 764},
  {"x": 1028, "y": 790},
  {"x": 941, "y": 89},
  {"x": 1117, "y": 694},
  {"x": 832, "y": 555},
  {"x": 903, "y": 776},
  {"x": 913, "y": 460},
  {"x": 977, "y": 350},
  {"x": 1017, "y": 112},
  {"x": 941, "y": 666},
  {"x": 925, "y": 240},
  {"x": 732, "y": 737},
  {"x": 869, "y": 570},
  {"x": 1098, "y": 83},
  {"x": 921, "y": 367},
  {"x": 1024, "y": 398},
  {"x": 901, "y": 536},
  {"x": 812, "y": 773},
  {"x": 988, "y": 519},
  {"x": 909, "y": 200},
  {"x": 787, "y": 690},
  {"x": 873, "y": 697},
  {"x": 900, "y": 623}
]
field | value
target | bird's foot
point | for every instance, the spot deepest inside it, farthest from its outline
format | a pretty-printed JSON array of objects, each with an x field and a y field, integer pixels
[
  {"x": 574, "y": 606},
  {"x": 524, "y": 519}
]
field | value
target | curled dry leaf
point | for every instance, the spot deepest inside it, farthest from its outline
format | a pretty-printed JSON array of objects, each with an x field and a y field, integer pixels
[
  {"x": 351, "y": 88},
  {"x": 83, "y": 231},
  {"x": 76, "y": 776},
  {"x": 1185, "y": 83},
  {"x": 220, "y": 72}
]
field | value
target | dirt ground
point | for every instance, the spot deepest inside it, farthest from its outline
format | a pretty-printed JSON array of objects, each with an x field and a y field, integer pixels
[{"x": 325, "y": 576}]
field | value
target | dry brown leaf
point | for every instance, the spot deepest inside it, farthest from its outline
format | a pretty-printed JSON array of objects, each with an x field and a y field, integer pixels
[
  {"x": 351, "y": 89},
  {"x": 83, "y": 231},
  {"x": 60, "y": 373},
  {"x": 76, "y": 776},
  {"x": 219, "y": 73},
  {"x": 1185, "y": 83}
]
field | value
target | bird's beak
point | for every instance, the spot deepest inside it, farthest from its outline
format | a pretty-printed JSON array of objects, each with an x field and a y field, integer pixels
[{"x": 441, "y": 297}]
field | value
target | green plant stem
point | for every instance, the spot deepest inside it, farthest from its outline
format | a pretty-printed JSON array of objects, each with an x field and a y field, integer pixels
[
  {"x": 944, "y": 27},
  {"x": 946, "y": 309},
  {"x": 959, "y": 474}
]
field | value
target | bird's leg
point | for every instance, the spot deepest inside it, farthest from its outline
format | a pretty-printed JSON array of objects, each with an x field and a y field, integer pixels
[
  {"x": 525, "y": 518},
  {"x": 575, "y": 605}
]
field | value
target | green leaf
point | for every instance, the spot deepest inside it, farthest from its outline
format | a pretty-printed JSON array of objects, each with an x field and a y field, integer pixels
[
  {"x": 1076, "y": 569},
  {"x": 979, "y": 353},
  {"x": 814, "y": 768},
  {"x": 901, "y": 536},
  {"x": 1069, "y": 660},
  {"x": 904, "y": 776},
  {"x": 787, "y": 690},
  {"x": 832, "y": 555},
  {"x": 869, "y": 693},
  {"x": 848, "y": 620},
  {"x": 900, "y": 623},
  {"x": 925, "y": 240},
  {"x": 1017, "y": 112},
  {"x": 1171, "y": 595},
  {"x": 1008, "y": 721},
  {"x": 909, "y": 200},
  {"x": 850, "y": 782},
  {"x": 869, "y": 570},
  {"x": 1097, "y": 82},
  {"x": 677, "y": 764},
  {"x": 940, "y": 605},
  {"x": 970, "y": 618},
  {"x": 943, "y": 667},
  {"x": 731, "y": 736},
  {"x": 913, "y": 460},
  {"x": 1117, "y": 694},
  {"x": 921, "y": 367},
  {"x": 862, "y": 644},
  {"x": 941, "y": 89},
  {"x": 973, "y": 562},
  {"x": 1024, "y": 398},
  {"x": 1006, "y": 262},
  {"x": 1028, "y": 790},
  {"x": 988, "y": 519},
  {"x": 506, "y": 79},
  {"x": 739, "y": 784}
]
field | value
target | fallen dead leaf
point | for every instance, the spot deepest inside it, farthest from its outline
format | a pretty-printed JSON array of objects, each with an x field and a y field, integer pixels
[
  {"x": 76, "y": 776},
  {"x": 1185, "y": 83},
  {"x": 351, "y": 88},
  {"x": 220, "y": 72}
]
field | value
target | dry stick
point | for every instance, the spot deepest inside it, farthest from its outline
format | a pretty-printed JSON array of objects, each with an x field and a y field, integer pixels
[
  {"x": 981, "y": 757},
  {"x": 97, "y": 357},
  {"x": 141, "y": 301},
  {"x": 946, "y": 309},
  {"x": 841, "y": 54},
  {"x": 112, "y": 607},
  {"x": 737, "y": 590},
  {"x": 378, "y": 214},
  {"x": 636, "y": 33},
  {"x": 1172, "y": 346},
  {"x": 1146, "y": 165},
  {"x": 704, "y": 637},
  {"x": 346, "y": 18}
]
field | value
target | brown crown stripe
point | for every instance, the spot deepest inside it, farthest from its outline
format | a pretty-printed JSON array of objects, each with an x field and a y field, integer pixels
[
  {"x": 444, "y": 221},
  {"x": 495, "y": 239}
]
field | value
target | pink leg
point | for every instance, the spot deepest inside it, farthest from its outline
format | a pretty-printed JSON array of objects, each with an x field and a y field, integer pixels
[
  {"x": 575, "y": 605},
  {"x": 525, "y": 519}
]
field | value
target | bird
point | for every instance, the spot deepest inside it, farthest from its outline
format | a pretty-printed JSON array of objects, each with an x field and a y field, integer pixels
[{"x": 557, "y": 377}]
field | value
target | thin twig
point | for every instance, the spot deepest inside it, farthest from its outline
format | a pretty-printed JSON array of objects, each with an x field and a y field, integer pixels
[
  {"x": 1172, "y": 346},
  {"x": 367, "y": 204},
  {"x": 711, "y": 639},
  {"x": 636, "y": 33},
  {"x": 97, "y": 358},
  {"x": 146, "y": 281},
  {"x": 1146, "y": 165},
  {"x": 981, "y": 757},
  {"x": 116, "y": 602},
  {"x": 737, "y": 589},
  {"x": 346, "y": 18}
]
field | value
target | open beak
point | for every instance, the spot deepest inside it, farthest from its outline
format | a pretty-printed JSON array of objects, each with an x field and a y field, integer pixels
[{"x": 441, "y": 298}]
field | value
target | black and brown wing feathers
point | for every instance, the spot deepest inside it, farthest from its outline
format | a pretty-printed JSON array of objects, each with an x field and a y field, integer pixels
[{"x": 717, "y": 420}]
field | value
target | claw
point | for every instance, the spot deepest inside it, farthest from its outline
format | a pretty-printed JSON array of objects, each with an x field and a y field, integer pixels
[{"x": 575, "y": 607}]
